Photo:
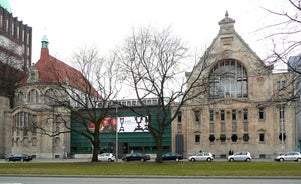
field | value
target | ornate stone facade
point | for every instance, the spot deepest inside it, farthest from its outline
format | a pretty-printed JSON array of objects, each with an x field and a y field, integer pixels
[
  {"x": 245, "y": 107},
  {"x": 36, "y": 117}
]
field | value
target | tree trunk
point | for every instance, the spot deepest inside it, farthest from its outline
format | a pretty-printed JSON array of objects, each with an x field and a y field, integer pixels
[
  {"x": 159, "y": 148},
  {"x": 95, "y": 150}
]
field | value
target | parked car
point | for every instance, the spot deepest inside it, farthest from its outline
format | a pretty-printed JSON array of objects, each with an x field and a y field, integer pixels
[
  {"x": 106, "y": 157},
  {"x": 172, "y": 156},
  {"x": 289, "y": 156},
  {"x": 240, "y": 156},
  {"x": 19, "y": 157},
  {"x": 202, "y": 156},
  {"x": 136, "y": 156}
]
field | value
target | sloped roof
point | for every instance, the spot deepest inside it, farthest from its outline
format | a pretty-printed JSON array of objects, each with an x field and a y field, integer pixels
[{"x": 52, "y": 70}]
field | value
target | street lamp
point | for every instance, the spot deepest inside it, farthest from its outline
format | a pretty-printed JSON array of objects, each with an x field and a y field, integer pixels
[
  {"x": 116, "y": 143},
  {"x": 282, "y": 126}
]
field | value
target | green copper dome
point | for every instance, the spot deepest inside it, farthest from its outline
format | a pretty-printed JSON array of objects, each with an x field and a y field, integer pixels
[
  {"x": 44, "y": 42},
  {"x": 5, "y": 4}
]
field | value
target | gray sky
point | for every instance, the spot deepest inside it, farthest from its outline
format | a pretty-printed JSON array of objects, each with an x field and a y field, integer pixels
[{"x": 70, "y": 24}]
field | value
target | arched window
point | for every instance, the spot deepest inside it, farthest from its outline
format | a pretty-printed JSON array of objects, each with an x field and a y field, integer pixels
[
  {"x": 33, "y": 96},
  {"x": 50, "y": 97},
  {"x": 228, "y": 78},
  {"x": 19, "y": 98}
]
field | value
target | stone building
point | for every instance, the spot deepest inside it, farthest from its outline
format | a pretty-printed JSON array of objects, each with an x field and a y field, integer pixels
[
  {"x": 15, "y": 39},
  {"x": 245, "y": 105},
  {"x": 36, "y": 114},
  {"x": 15, "y": 59}
]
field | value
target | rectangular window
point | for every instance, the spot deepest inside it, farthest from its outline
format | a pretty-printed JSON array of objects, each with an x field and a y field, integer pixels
[
  {"x": 197, "y": 138},
  {"x": 12, "y": 29},
  {"x": 223, "y": 127},
  {"x": 246, "y": 126},
  {"x": 281, "y": 85},
  {"x": 222, "y": 115},
  {"x": 179, "y": 127},
  {"x": 261, "y": 113},
  {"x": 211, "y": 127},
  {"x": 234, "y": 126},
  {"x": 281, "y": 112},
  {"x": 233, "y": 114},
  {"x": 211, "y": 115},
  {"x": 261, "y": 137},
  {"x": 22, "y": 35},
  {"x": 245, "y": 114},
  {"x": 1, "y": 22},
  {"x": 27, "y": 38},
  {"x": 18, "y": 32},
  {"x": 7, "y": 26},
  {"x": 197, "y": 116},
  {"x": 180, "y": 117},
  {"x": 282, "y": 118}
]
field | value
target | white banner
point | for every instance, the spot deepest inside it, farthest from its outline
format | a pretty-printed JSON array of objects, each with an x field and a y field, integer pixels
[{"x": 132, "y": 124}]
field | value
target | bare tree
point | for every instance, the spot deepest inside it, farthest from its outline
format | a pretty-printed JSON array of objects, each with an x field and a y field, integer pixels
[
  {"x": 285, "y": 36},
  {"x": 11, "y": 70},
  {"x": 87, "y": 92},
  {"x": 154, "y": 63}
]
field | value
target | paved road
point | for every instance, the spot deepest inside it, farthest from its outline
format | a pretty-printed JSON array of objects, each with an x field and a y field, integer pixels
[{"x": 145, "y": 180}]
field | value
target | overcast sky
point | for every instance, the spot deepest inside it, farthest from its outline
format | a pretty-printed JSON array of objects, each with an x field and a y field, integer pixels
[{"x": 70, "y": 24}]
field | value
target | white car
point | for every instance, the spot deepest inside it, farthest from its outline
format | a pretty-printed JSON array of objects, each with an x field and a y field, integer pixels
[
  {"x": 106, "y": 157},
  {"x": 289, "y": 156},
  {"x": 202, "y": 156},
  {"x": 240, "y": 156}
]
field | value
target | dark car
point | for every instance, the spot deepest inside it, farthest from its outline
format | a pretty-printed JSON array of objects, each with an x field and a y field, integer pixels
[
  {"x": 136, "y": 157},
  {"x": 19, "y": 157},
  {"x": 172, "y": 156}
]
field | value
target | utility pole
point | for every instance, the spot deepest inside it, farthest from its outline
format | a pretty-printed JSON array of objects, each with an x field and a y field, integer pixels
[{"x": 116, "y": 143}]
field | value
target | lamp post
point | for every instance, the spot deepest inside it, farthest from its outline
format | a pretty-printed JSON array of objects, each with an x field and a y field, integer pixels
[
  {"x": 282, "y": 127},
  {"x": 116, "y": 143}
]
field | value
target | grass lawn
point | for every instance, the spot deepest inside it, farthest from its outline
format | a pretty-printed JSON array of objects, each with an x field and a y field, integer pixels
[{"x": 151, "y": 168}]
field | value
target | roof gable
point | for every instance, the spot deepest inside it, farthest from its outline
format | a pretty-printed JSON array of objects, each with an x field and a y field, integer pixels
[{"x": 229, "y": 44}]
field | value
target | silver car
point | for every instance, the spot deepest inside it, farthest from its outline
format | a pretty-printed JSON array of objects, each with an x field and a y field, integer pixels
[
  {"x": 289, "y": 156},
  {"x": 240, "y": 156},
  {"x": 202, "y": 156},
  {"x": 106, "y": 157}
]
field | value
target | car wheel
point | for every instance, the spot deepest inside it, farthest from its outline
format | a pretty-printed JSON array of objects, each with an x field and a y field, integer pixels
[
  {"x": 281, "y": 159},
  {"x": 142, "y": 160},
  {"x": 110, "y": 160},
  {"x": 299, "y": 160},
  {"x": 177, "y": 160},
  {"x": 231, "y": 160},
  {"x": 22, "y": 160},
  {"x": 248, "y": 160},
  {"x": 193, "y": 160},
  {"x": 208, "y": 159}
]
